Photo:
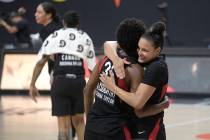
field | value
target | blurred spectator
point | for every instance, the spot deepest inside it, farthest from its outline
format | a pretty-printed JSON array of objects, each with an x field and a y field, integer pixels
[
  {"x": 22, "y": 11},
  {"x": 19, "y": 26}
]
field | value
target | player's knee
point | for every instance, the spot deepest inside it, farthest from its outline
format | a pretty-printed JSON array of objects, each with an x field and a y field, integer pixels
[{"x": 78, "y": 119}]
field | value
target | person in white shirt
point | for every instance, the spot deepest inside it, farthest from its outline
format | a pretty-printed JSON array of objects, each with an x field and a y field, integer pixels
[{"x": 70, "y": 47}]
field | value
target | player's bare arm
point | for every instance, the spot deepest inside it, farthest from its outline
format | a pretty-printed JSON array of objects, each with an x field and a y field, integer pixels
[
  {"x": 90, "y": 88},
  {"x": 33, "y": 92}
]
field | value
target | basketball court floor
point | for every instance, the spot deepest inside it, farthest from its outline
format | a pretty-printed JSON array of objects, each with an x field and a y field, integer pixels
[{"x": 22, "y": 119}]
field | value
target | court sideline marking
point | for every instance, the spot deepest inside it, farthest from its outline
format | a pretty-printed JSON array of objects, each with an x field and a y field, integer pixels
[
  {"x": 187, "y": 123},
  {"x": 202, "y": 103}
]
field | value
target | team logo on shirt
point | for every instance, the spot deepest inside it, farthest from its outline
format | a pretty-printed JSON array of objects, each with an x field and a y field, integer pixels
[
  {"x": 88, "y": 42},
  {"x": 141, "y": 132},
  {"x": 72, "y": 36},
  {"x": 62, "y": 43},
  {"x": 90, "y": 54},
  {"x": 54, "y": 34},
  {"x": 80, "y": 48},
  {"x": 46, "y": 43}
]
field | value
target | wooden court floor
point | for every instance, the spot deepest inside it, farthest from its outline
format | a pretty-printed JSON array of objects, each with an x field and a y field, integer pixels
[{"x": 22, "y": 119}]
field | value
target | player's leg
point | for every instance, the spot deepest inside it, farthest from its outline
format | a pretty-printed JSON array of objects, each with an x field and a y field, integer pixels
[
  {"x": 62, "y": 128},
  {"x": 78, "y": 123}
]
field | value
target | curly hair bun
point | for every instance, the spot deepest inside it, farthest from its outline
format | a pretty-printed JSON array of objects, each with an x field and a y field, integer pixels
[{"x": 158, "y": 28}]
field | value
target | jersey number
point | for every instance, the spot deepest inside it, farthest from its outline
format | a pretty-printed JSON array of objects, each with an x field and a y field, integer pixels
[{"x": 108, "y": 67}]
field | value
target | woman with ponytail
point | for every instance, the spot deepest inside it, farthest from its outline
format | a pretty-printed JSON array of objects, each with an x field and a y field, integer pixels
[
  {"x": 46, "y": 15},
  {"x": 151, "y": 90}
]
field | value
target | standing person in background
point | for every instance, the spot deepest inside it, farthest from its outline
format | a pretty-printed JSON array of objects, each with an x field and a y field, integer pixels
[
  {"x": 70, "y": 46},
  {"x": 153, "y": 87},
  {"x": 46, "y": 15},
  {"x": 20, "y": 28}
]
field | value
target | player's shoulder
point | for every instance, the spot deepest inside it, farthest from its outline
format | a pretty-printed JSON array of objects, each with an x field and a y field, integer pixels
[
  {"x": 158, "y": 64},
  {"x": 134, "y": 69},
  {"x": 83, "y": 33},
  {"x": 134, "y": 72},
  {"x": 135, "y": 66}
]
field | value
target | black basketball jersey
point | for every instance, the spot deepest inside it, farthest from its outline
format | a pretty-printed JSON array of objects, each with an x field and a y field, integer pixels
[
  {"x": 108, "y": 114},
  {"x": 156, "y": 75}
]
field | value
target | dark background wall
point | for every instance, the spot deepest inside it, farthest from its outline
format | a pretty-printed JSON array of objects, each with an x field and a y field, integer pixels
[{"x": 188, "y": 20}]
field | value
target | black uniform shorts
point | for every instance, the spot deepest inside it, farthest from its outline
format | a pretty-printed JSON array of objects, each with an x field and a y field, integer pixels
[
  {"x": 155, "y": 131},
  {"x": 124, "y": 134},
  {"x": 67, "y": 95}
]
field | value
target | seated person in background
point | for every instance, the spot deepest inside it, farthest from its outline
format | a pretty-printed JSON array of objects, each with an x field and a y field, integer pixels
[{"x": 20, "y": 27}]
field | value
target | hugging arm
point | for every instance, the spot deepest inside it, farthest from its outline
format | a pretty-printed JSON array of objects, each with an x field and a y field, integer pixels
[
  {"x": 90, "y": 88},
  {"x": 148, "y": 110},
  {"x": 110, "y": 48}
]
